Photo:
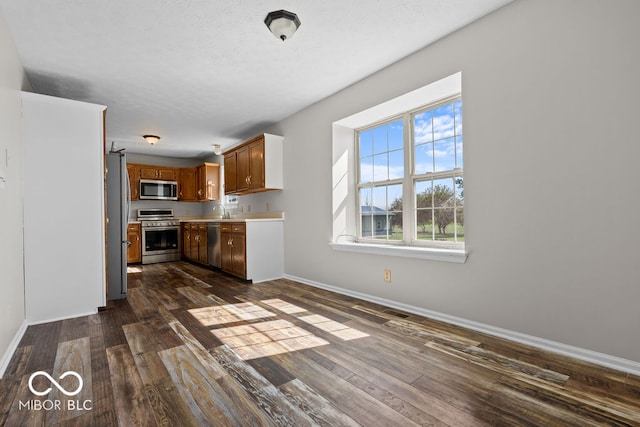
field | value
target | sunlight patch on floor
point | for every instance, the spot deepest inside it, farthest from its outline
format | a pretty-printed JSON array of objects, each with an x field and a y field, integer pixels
[
  {"x": 337, "y": 329},
  {"x": 267, "y": 338},
  {"x": 283, "y": 306},
  {"x": 229, "y": 313},
  {"x": 263, "y": 337}
]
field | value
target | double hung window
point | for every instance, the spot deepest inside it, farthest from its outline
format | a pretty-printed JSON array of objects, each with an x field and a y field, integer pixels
[{"x": 410, "y": 181}]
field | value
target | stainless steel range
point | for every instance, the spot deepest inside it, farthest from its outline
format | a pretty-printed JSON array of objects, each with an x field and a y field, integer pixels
[{"x": 160, "y": 235}]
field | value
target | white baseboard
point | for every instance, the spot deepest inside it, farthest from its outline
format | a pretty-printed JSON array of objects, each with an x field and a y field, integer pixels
[
  {"x": 13, "y": 345},
  {"x": 57, "y": 319},
  {"x": 601, "y": 359}
]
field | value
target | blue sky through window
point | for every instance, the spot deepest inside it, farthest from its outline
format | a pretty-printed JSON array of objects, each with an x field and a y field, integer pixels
[
  {"x": 382, "y": 153},
  {"x": 438, "y": 139}
]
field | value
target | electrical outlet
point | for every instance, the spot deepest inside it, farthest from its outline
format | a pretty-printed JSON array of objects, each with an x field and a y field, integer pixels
[
  {"x": 267, "y": 206},
  {"x": 387, "y": 275},
  {"x": 248, "y": 208}
]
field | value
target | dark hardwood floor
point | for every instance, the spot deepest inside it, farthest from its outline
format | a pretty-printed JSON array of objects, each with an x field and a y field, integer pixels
[{"x": 193, "y": 347}]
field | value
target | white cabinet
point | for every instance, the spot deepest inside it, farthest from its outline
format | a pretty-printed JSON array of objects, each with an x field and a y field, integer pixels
[
  {"x": 253, "y": 250},
  {"x": 265, "y": 250}
]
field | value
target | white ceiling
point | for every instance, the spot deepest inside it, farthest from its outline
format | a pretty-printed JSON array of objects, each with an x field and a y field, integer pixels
[{"x": 200, "y": 72}]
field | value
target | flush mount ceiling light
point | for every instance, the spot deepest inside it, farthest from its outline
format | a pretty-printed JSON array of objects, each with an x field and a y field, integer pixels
[
  {"x": 217, "y": 149},
  {"x": 282, "y": 23},
  {"x": 151, "y": 139}
]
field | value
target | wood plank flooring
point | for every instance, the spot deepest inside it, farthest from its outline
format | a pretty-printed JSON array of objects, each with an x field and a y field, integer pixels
[{"x": 195, "y": 347}]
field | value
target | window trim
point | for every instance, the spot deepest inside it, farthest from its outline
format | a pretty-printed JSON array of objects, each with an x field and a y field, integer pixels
[
  {"x": 403, "y": 251},
  {"x": 345, "y": 204},
  {"x": 408, "y": 181}
]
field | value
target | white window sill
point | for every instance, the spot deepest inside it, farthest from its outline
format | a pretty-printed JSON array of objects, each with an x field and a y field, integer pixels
[{"x": 433, "y": 254}]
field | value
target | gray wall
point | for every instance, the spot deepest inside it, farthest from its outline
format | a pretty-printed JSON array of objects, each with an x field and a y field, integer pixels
[{"x": 550, "y": 91}]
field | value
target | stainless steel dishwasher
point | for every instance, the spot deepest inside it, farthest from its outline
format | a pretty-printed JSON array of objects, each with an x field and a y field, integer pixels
[{"x": 213, "y": 244}]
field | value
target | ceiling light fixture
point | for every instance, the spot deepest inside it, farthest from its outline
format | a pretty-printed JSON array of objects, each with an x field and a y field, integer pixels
[
  {"x": 282, "y": 23},
  {"x": 217, "y": 149},
  {"x": 151, "y": 139}
]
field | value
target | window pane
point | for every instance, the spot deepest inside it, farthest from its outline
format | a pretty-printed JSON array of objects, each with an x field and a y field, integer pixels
[
  {"x": 443, "y": 123},
  {"x": 424, "y": 212},
  {"x": 460, "y": 225},
  {"x": 380, "y": 140},
  {"x": 386, "y": 142},
  {"x": 422, "y": 128},
  {"x": 423, "y": 158},
  {"x": 381, "y": 212},
  {"x": 457, "y": 106},
  {"x": 445, "y": 154},
  {"x": 366, "y": 143},
  {"x": 443, "y": 193},
  {"x": 366, "y": 196},
  {"x": 459, "y": 163},
  {"x": 424, "y": 194},
  {"x": 396, "y": 164},
  {"x": 444, "y": 223},
  {"x": 459, "y": 190},
  {"x": 396, "y": 136},
  {"x": 380, "y": 167},
  {"x": 439, "y": 214},
  {"x": 424, "y": 221},
  {"x": 366, "y": 170}
]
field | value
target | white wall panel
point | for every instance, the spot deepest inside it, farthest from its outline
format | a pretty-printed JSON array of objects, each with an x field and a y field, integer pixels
[
  {"x": 12, "y": 313},
  {"x": 63, "y": 208}
]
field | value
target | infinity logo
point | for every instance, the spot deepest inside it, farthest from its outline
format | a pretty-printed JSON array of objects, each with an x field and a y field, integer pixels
[{"x": 58, "y": 386}]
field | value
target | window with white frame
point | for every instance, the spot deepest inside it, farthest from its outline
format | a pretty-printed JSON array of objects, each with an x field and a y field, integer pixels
[{"x": 410, "y": 178}]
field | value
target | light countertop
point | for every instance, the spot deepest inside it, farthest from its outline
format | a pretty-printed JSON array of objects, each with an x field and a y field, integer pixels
[{"x": 264, "y": 216}]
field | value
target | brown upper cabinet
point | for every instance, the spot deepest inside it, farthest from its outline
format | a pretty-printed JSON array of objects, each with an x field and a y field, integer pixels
[
  {"x": 158, "y": 172},
  {"x": 188, "y": 185},
  {"x": 208, "y": 182},
  {"x": 200, "y": 183},
  {"x": 137, "y": 172},
  {"x": 255, "y": 165},
  {"x": 230, "y": 163}
]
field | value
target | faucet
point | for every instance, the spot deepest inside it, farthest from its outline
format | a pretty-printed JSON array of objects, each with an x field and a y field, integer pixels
[{"x": 225, "y": 214}]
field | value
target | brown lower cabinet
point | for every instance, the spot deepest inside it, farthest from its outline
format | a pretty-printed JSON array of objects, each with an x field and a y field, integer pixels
[
  {"x": 233, "y": 248},
  {"x": 194, "y": 241},
  {"x": 134, "y": 252}
]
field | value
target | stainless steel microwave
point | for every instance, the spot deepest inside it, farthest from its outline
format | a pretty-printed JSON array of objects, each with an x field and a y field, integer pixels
[{"x": 151, "y": 189}]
